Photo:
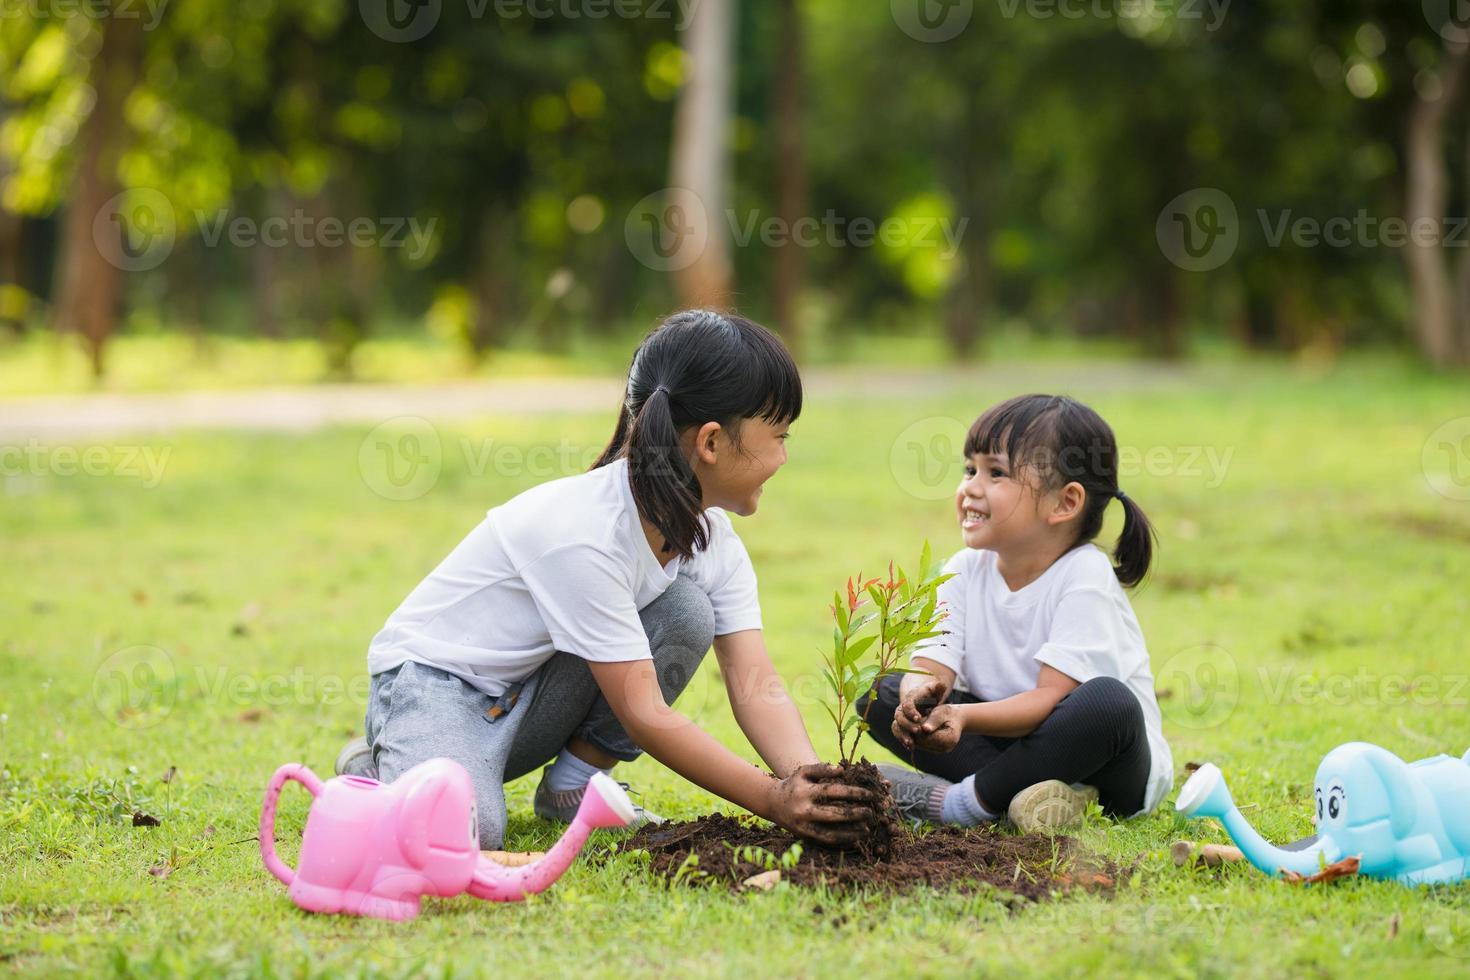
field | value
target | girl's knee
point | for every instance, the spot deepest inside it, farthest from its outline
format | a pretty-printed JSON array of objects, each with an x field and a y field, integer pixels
[
  {"x": 490, "y": 814},
  {"x": 682, "y": 620},
  {"x": 1111, "y": 702}
]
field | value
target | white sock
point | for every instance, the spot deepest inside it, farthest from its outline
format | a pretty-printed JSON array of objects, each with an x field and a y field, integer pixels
[
  {"x": 569, "y": 772},
  {"x": 962, "y": 806}
]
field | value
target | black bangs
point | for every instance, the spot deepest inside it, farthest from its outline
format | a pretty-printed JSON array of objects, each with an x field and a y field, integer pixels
[
  {"x": 1023, "y": 429},
  {"x": 775, "y": 387}
]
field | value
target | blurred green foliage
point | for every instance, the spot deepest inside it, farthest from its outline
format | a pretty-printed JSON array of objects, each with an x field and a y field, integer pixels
[{"x": 1051, "y": 135}]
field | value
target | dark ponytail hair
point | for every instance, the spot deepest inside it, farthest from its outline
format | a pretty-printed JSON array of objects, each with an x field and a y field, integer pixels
[
  {"x": 696, "y": 367},
  {"x": 1062, "y": 441}
]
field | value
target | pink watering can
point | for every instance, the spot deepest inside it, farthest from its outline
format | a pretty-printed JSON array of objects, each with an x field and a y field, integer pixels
[{"x": 374, "y": 849}]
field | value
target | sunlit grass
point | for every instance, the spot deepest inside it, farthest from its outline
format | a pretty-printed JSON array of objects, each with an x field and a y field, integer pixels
[{"x": 1309, "y": 565}]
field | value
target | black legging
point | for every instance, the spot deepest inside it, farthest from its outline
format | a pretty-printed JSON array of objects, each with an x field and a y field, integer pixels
[{"x": 1095, "y": 735}]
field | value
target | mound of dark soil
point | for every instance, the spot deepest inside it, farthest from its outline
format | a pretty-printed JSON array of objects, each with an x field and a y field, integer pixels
[{"x": 966, "y": 859}]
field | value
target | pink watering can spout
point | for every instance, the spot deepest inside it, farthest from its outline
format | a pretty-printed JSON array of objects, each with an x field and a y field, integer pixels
[
  {"x": 375, "y": 849},
  {"x": 605, "y": 804}
]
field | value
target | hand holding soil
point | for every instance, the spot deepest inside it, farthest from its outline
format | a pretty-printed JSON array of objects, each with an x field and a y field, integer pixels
[
  {"x": 915, "y": 709},
  {"x": 941, "y": 730},
  {"x": 815, "y": 803}
]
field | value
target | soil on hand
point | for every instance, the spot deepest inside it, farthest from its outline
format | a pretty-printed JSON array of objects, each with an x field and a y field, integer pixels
[{"x": 879, "y": 844}]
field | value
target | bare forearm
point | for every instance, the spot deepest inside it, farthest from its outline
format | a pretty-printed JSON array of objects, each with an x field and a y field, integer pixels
[
  {"x": 934, "y": 671},
  {"x": 775, "y": 728},
  {"x": 761, "y": 704},
  {"x": 693, "y": 753},
  {"x": 1011, "y": 717}
]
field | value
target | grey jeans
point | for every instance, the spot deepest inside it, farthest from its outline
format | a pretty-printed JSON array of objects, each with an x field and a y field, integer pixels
[{"x": 416, "y": 712}]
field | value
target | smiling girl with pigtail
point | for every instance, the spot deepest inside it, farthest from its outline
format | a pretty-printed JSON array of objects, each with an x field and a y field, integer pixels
[
  {"x": 570, "y": 619},
  {"x": 1039, "y": 698}
]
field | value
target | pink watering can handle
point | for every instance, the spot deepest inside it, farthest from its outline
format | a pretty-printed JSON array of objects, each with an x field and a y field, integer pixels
[
  {"x": 307, "y": 778},
  {"x": 604, "y": 804}
]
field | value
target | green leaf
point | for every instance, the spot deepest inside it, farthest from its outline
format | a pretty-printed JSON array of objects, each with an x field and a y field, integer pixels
[
  {"x": 860, "y": 647},
  {"x": 880, "y": 599},
  {"x": 839, "y": 606}
]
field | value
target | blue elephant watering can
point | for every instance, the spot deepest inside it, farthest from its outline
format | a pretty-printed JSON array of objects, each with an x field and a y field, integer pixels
[{"x": 1404, "y": 820}]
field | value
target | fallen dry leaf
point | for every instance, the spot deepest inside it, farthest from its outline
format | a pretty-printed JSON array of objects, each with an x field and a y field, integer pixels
[
  {"x": 141, "y": 819},
  {"x": 1393, "y": 926},
  {"x": 251, "y": 716},
  {"x": 764, "y": 881},
  {"x": 161, "y": 870},
  {"x": 1338, "y": 869},
  {"x": 514, "y": 859},
  {"x": 168, "y": 777},
  {"x": 1089, "y": 879}
]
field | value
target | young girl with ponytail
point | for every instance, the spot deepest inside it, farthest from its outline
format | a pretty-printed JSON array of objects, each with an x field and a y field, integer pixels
[
  {"x": 1039, "y": 698},
  {"x": 566, "y": 624}
]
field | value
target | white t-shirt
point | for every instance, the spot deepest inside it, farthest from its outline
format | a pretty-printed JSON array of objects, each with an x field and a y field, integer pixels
[
  {"x": 564, "y": 566},
  {"x": 1074, "y": 618}
]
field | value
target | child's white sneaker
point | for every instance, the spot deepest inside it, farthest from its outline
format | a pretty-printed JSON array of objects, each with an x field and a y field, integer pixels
[{"x": 1047, "y": 807}]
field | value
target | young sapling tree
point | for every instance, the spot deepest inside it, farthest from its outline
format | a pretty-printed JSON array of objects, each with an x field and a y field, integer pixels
[{"x": 877, "y": 626}]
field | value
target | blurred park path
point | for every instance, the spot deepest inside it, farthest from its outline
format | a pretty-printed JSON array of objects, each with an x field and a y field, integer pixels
[{"x": 304, "y": 408}]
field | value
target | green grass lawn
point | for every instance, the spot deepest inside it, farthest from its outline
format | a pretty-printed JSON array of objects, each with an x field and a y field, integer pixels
[{"x": 1310, "y": 590}]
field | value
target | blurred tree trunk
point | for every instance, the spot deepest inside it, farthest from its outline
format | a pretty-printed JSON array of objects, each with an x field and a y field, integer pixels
[
  {"x": 189, "y": 285},
  {"x": 968, "y": 295},
  {"x": 494, "y": 251},
  {"x": 12, "y": 317},
  {"x": 1438, "y": 319},
  {"x": 1165, "y": 322},
  {"x": 1260, "y": 326},
  {"x": 701, "y": 147},
  {"x": 10, "y": 228},
  {"x": 1461, "y": 354},
  {"x": 612, "y": 286},
  {"x": 265, "y": 271},
  {"x": 89, "y": 287},
  {"x": 345, "y": 276},
  {"x": 791, "y": 180}
]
